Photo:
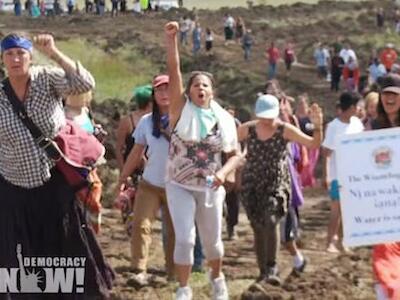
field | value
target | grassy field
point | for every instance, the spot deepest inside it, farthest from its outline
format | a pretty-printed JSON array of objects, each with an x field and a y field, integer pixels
[{"x": 117, "y": 74}]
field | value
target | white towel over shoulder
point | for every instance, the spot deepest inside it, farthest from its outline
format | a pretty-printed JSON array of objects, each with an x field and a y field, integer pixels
[{"x": 188, "y": 126}]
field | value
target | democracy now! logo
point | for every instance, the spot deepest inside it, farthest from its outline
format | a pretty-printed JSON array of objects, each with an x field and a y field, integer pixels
[{"x": 44, "y": 275}]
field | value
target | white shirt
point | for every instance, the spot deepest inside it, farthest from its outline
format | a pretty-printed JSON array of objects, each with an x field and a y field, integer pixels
[
  {"x": 334, "y": 130},
  {"x": 346, "y": 54},
  {"x": 229, "y": 22},
  {"x": 157, "y": 151}
]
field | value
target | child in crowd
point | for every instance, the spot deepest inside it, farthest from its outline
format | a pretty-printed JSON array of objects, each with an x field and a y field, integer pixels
[{"x": 209, "y": 40}]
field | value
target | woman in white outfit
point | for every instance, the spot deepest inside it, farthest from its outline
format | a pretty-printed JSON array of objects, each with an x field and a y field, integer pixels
[{"x": 201, "y": 131}]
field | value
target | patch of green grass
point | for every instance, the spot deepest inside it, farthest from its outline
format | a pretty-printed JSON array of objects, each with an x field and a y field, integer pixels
[
  {"x": 116, "y": 73},
  {"x": 377, "y": 40}
]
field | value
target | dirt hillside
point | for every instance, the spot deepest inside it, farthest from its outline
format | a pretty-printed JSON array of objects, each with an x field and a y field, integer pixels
[{"x": 327, "y": 276}]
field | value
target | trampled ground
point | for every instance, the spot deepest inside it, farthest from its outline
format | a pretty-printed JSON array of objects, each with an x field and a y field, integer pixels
[{"x": 327, "y": 276}]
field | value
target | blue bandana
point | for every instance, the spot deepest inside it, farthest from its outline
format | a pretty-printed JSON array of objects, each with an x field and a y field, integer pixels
[{"x": 13, "y": 41}]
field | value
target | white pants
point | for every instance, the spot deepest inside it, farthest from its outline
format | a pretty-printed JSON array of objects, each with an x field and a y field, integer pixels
[{"x": 188, "y": 208}]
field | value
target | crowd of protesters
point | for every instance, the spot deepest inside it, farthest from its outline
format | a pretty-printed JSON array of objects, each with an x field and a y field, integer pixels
[{"x": 181, "y": 156}]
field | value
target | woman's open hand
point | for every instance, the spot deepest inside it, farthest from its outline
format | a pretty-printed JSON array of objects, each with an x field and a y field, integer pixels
[{"x": 316, "y": 116}]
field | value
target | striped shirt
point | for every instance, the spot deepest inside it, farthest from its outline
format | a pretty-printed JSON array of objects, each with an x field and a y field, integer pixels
[{"x": 22, "y": 162}]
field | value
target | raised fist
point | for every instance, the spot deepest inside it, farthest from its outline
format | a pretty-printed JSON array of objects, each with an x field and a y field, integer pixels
[
  {"x": 171, "y": 29},
  {"x": 45, "y": 44}
]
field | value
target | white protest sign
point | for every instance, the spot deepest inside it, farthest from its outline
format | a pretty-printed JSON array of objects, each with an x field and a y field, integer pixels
[{"x": 368, "y": 167}]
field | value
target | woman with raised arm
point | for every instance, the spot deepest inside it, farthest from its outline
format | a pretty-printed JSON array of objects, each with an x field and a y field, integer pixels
[
  {"x": 266, "y": 185},
  {"x": 201, "y": 131},
  {"x": 39, "y": 210}
]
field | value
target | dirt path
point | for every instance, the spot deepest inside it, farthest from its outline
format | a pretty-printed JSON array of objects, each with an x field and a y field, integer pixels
[
  {"x": 340, "y": 277},
  {"x": 327, "y": 276}
]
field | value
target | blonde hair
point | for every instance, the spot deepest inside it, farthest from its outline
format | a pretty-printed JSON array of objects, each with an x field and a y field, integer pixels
[
  {"x": 372, "y": 97},
  {"x": 80, "y": 100}
]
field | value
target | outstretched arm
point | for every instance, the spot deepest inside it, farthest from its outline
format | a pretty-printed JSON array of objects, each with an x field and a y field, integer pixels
[
  {"x": 294, "y": 134},
  {"x": 175, "y": 86}
]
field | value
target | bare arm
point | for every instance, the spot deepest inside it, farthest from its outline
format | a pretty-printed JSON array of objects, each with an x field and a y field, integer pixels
[
  {"x": 72, "y": 79},
  {"x": 120, "y": 143},
  {"x": 326, "y": 153},
  {"x": 294, "y": 134},
  {"x": 234, "y": 160},
  {"x": 175, "y": 86},
  {"x": 133, "y": 161}
]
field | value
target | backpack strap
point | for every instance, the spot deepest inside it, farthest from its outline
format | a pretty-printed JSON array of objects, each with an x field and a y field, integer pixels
[{"x": 40, "y": 139}]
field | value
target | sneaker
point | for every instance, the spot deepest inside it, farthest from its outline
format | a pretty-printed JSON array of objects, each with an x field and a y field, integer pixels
[
  {"x": 139, "y": 280},
  {"x": 184, "y": 293},
  {"x": 273, "y": 276},
  {"x": 219, "y": 288},
  {"x": 332, "y": 248},
  {"x": 301, "y": 268}
]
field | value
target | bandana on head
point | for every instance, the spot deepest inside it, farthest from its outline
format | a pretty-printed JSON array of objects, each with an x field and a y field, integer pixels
[{"x": 13, "y": 41}]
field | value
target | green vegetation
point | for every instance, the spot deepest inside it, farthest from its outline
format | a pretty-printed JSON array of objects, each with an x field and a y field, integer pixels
[
  {"x": 377, "y": 40},
  {"x": 116, "y": 72}
]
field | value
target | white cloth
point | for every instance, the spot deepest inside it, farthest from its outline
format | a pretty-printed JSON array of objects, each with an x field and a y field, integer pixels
[
  {"x": 335, "y": 129},
  {"x": 346, "y": 54},
  {"x": 188, "y": 126}
]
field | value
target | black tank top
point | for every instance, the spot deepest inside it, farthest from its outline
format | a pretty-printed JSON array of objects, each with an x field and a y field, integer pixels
[{"x": 129, "y": 139}]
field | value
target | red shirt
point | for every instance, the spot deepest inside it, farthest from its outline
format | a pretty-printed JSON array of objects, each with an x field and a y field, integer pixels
[
  {"x": 388, "y": 58},
  {"x": 386, "y": 264},
  {"x": 273, "y": 55}
]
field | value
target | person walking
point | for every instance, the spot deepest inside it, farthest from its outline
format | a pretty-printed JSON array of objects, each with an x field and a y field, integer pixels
[
  {"x": 142, "y": 96},
  {"x": 386, "y": 257},
  {"x": 209, "y": 40},
  {"x": 247, "y": 43},
  {"x": 201, "y": 131},
  {"x": 196, "y": 38},
  {"x": 388, "y": 56},
  {"x": 151, "y": 133},
  {"x": 337, "y": 64},
  {"x": 351, "y": 75},
  {"x": 307, "y": 172},
  {"x": 272, "y": 55},
  {"x": 40, "y": 211},
  {"x": 321, "y": 56},
  {"x": 17, "y": 7},
  {"x": 289, "y": 57},
  {"x": 229, "y": 24},
  {"x": 266, "y": 185},
  {"x": 345, "y": 123}
]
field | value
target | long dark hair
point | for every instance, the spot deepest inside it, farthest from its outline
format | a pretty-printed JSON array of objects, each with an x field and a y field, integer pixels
[
  {"x": 383, "y": 119},
  {"x": 156, "y": 117}
]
